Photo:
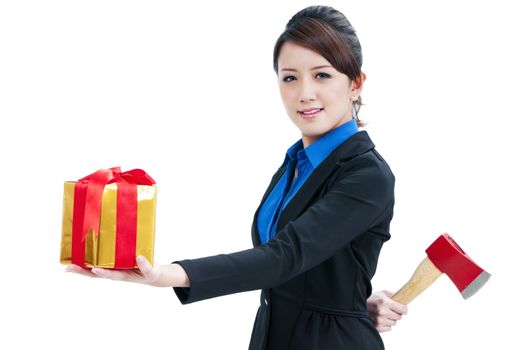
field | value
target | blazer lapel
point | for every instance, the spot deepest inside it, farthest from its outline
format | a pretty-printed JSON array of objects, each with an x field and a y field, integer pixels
[
  {"x": 254, "y": 230},
  {"x": 356, "y": 144}
]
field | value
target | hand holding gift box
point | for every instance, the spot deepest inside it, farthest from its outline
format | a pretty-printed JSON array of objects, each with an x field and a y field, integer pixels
[{"x": 108, "y": 219}]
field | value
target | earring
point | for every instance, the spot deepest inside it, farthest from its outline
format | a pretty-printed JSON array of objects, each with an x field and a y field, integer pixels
[{"x": 354, "y": 110}]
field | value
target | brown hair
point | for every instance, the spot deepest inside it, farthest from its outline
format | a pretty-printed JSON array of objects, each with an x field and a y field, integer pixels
[{"x": 328, "y": 32}]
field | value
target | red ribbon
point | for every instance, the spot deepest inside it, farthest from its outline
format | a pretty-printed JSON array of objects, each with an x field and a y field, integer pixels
[{"x": 87, "y": 212}]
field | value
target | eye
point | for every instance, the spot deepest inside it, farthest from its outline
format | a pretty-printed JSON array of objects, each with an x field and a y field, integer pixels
[
  {"x": 324, "y": 74},
  {"x": 285, "y": 78}
]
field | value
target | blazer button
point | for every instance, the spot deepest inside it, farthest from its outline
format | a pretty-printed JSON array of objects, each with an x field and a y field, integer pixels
[{"x": 265, "y": 300}]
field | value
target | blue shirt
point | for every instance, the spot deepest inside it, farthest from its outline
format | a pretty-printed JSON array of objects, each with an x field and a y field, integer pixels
[{"x": 307, "y": 159}]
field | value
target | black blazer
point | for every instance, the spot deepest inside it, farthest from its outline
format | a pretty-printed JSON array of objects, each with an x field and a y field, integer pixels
[{"x": 315, "y": 273}]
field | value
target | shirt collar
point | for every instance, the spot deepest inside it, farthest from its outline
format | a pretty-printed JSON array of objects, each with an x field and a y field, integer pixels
[{"x": 320, "y": 149}]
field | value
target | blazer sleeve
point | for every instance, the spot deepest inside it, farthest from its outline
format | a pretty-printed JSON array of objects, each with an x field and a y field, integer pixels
[{"x": 361, "y": 195}]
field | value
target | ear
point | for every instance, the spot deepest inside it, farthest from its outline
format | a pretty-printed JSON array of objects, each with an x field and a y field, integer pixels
[{"x": 356, "y": 86}]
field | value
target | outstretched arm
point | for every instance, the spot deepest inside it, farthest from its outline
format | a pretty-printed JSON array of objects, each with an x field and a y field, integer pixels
[{"x": 359, "y": 199}]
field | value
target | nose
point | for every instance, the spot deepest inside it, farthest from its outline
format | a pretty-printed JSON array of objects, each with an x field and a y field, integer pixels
[{"x": 307, "y": 91}]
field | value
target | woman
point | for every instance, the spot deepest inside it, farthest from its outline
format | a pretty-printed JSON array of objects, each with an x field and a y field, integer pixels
[{"x": 322, "y": 221}]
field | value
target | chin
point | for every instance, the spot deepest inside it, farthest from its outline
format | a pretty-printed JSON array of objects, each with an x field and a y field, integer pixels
[{"x": 314, "y": 132}]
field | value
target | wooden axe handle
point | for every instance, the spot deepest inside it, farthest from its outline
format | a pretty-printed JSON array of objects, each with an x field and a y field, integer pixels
[{"x": 425, "y": 274}]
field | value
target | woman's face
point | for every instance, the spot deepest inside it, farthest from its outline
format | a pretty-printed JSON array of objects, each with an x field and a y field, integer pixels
[{"x": 302, "y": 86}]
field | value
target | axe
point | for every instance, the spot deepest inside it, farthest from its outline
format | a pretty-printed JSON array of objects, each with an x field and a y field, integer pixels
[{"x": 444, "y": 256}]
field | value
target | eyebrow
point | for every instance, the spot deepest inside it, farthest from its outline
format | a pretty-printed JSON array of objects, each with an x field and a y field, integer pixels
[{"x": 317, "y": 67}]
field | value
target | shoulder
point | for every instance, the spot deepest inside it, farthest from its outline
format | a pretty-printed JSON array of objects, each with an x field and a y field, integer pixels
[
  {"x": 366, "y": 178},
  {"x": 370, "y": 165},
  {"x": 359, "y": 153}
]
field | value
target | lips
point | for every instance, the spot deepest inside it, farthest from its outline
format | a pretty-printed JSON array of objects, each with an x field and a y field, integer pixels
[{"x": 310, "y": 113}]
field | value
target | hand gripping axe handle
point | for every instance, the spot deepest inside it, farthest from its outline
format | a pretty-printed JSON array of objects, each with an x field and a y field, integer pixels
[{"x": 444, "y": 256}]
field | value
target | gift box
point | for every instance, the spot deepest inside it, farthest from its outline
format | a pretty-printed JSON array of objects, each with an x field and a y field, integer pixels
[{"x": 108, "y": 219}]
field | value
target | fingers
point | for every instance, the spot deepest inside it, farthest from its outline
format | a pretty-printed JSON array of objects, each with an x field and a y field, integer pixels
[
  {"x": 394, "y": 305},
  {"x": 97, "y": 272},
  {"x": 385, "y": 318},
  {"x": 391, "y": 318},
  {"x": 150, "y": 274},
  {"x": 146, "y": 273},
  {"x": 398, "y": 308},
  {"x": 79, "y": 270},
  {"x": 144, "y": 265},
  {"x": 394, "y": 310},
  {"x": 384, "y": 323},
  {"x": 110, "y": 274},
  {"x": 381, "y": 329}
]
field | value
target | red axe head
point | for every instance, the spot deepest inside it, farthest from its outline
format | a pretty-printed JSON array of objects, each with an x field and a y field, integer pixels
[{"x": 450, "y": 259}]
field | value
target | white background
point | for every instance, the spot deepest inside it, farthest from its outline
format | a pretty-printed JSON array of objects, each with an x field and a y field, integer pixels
[{"x": 187, "y": 92}]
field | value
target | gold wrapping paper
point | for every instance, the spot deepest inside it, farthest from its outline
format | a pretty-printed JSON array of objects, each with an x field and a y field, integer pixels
[{"x": 100, "y": 249}]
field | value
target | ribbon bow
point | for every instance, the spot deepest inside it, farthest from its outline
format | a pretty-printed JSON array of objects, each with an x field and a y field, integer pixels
[{"x": 87, "y": 212}]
